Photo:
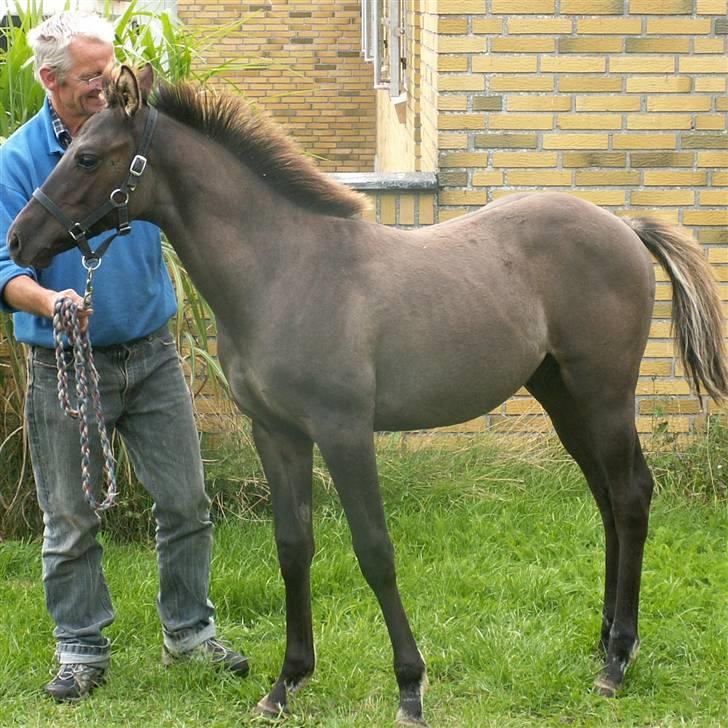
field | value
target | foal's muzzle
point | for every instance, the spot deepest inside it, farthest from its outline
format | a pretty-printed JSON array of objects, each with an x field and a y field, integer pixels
[{"x": 21, "y": 256}]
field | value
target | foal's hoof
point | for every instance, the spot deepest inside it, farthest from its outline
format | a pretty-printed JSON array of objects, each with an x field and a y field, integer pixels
[
  {"x": 605, "y": 687},
  {"x": 611, "y": 678},
  {"x": 269, "y": 709},
  {"x": 404, "y": 719},
  {"x": 410, "y": 704}
]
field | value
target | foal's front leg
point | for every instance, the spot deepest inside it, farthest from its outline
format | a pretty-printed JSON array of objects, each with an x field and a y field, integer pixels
[
  {"x": 287, "y": 461},
  {"x": 349, "y": 455}
]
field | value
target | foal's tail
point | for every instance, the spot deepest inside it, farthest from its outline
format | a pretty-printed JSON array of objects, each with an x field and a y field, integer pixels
[{"x": 697, "y": 315}]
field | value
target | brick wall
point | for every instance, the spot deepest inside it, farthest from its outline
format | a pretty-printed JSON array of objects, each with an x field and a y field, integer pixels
[
  {"x": 429, "y": 84},
  {"x": 312, "y": 78},
  {"x": 402, "y": 200},
  {"x": 626, "y": 107},
  {"x": 618, "y": 102}
]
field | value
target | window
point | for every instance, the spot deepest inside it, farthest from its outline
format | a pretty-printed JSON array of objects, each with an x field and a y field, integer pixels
[
  {"x": 8, "y": 22},
  {"x": 384, "y": 43}
]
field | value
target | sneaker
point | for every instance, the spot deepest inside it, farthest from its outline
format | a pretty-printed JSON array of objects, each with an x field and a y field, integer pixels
[
  {"x": 212, "y": 651},
  {"x": 75, "y": 682}
]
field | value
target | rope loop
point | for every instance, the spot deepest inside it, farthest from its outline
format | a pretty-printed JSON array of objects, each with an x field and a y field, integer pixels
[{"x": 88, "y": 400}]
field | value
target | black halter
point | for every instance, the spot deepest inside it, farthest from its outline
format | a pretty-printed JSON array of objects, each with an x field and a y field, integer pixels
[{"x": 118, "y": 200}]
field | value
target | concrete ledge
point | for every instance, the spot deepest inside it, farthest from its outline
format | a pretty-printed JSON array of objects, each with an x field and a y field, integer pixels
[{"x": 387, "y": 181}]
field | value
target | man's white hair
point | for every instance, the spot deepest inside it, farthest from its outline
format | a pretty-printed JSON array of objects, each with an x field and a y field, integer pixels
[{"x": 49, "y": 40}]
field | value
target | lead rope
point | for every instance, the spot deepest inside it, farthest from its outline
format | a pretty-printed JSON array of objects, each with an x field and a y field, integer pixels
[{"x": 66, "y": 323}]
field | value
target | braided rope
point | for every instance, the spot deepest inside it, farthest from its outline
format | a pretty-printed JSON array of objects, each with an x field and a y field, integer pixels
[{"x": 66, "y": 323}]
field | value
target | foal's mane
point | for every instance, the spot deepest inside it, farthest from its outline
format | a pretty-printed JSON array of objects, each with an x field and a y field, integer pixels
[{"x": 254, "y": 138}]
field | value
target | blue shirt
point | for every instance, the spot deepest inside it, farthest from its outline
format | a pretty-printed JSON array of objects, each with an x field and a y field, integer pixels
[{"x": 133, "y": 294}]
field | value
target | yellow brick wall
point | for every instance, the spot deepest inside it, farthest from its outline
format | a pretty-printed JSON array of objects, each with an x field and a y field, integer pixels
[
  {"x": 619, "y": 102},
  {"x": 428, "y": 85},
  {"x": 312, "y": 77},
  {"x": 402, "y": 208}
]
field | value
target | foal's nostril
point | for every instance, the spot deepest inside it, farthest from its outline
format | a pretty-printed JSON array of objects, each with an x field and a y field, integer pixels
[
  {"x": 14, "y": 247},
  {"x": 13, "y": 244}
]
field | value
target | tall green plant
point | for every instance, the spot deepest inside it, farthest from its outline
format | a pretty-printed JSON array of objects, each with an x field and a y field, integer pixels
[
  {"x": 20, "y": 94},
  {"x": 176, "y": 53}
]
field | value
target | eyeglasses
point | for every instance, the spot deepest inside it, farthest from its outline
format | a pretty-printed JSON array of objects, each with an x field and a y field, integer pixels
[{"x": 93, "y": 82}]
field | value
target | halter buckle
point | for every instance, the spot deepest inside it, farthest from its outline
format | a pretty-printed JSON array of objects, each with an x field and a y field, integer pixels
[
  {"x": 77, "y": 232},
  {"x": 138, "y": 165}
]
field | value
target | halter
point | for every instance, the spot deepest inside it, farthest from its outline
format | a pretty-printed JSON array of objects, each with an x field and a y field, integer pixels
[{"x": 118, "y": 200}]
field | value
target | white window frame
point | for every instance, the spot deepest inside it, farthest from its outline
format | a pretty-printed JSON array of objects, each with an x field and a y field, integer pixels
[{"x": 383, "y": 36}]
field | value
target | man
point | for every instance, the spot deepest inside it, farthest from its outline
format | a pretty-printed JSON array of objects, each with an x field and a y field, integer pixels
[{"x": 143, "y": 392}]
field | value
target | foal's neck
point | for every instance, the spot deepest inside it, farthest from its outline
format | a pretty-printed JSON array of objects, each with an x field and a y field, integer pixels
[{"x": 230, "y": 228}]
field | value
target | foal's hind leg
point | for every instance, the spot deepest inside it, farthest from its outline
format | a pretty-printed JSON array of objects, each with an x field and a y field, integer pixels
[
  {"x": 631, "y": 497},
  {"x": 287, "y": 459},
  {"x": 547, "y": 386},
  {"x": 598, "y": 431}
]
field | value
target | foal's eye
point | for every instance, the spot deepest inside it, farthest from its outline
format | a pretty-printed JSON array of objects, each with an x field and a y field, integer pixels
[{"x": 86, "y": 161}]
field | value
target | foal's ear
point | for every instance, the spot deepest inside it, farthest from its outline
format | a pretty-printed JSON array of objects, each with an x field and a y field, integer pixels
[
  {"x": 146, "y": 79},
  {"x": 128, "y": 92}
]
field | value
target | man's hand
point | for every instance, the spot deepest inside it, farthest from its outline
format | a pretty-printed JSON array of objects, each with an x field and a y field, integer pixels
[
  {"x": 25, "y": 294},
  {"x": 83, "y": 313}
]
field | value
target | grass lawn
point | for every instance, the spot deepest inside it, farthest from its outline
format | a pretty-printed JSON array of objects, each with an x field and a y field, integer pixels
[{"x": 500, "y": 568}]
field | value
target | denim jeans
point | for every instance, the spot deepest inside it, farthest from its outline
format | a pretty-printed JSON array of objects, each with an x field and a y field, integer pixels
[{"x": 145, "y": 398}]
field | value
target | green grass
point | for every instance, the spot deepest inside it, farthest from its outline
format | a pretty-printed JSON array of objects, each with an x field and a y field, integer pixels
[{"x": 500, "y": 567}]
